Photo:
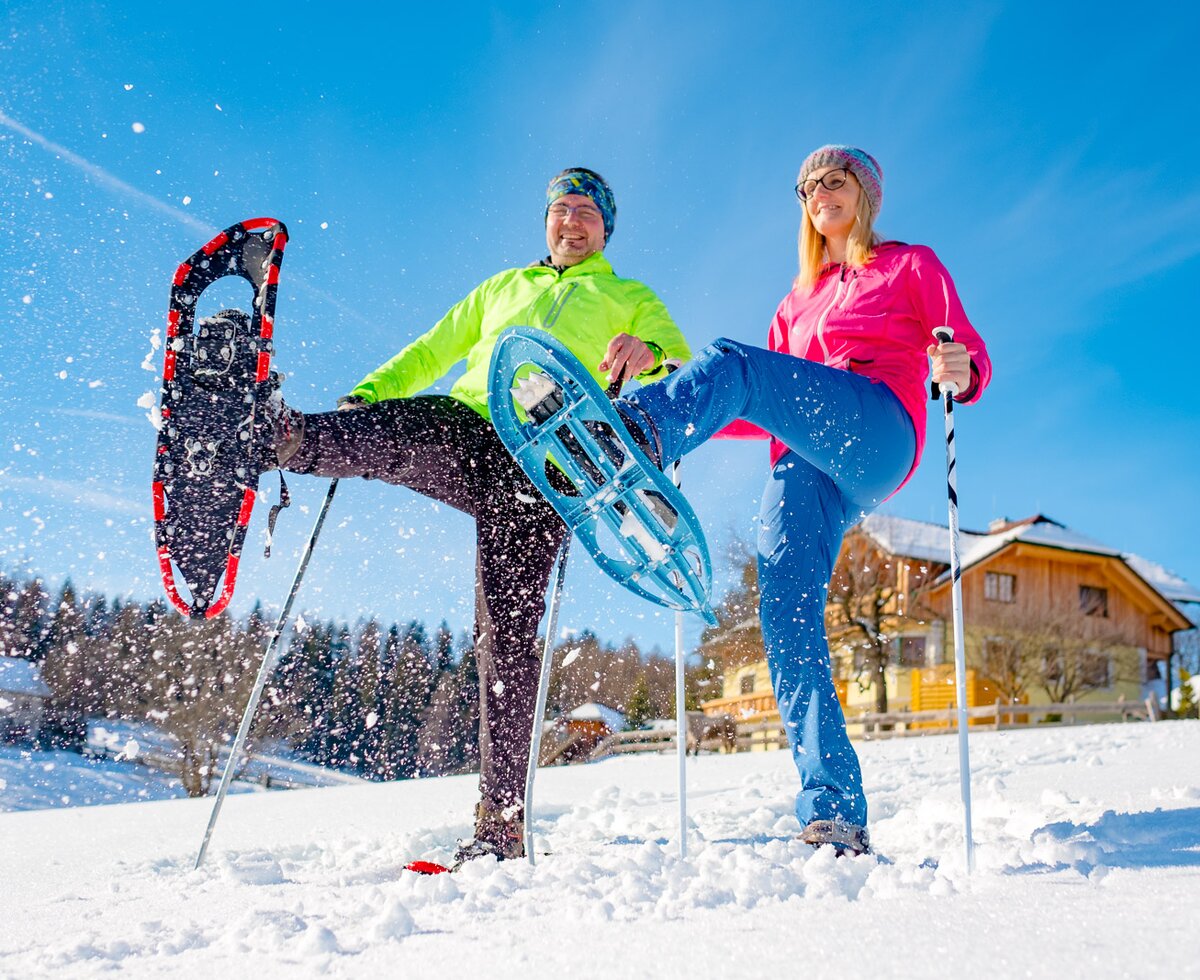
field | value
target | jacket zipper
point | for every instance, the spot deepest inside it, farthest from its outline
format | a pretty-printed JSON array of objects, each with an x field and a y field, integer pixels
[
  {"x": 556, "y": 307},
  {"x": 837, "y": 294}
]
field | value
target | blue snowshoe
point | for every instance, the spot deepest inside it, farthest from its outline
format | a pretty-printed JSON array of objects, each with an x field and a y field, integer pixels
[{"x": 549, "y": 412}]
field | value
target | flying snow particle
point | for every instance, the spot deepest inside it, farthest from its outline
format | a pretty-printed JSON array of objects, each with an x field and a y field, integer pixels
[
  {"x": 498, "y": 688},
  {"x": 62, "y": 375},
  {"x": 571, "y": 657},
  {"x": 324, "y": 225},
  {"x": 48, "y": 196},
  {"x": 186, "y": 200},
  {"x": 217, "y": 106},
  {"x": 155, "y": 344},
  {"x": 138, "y": 127},
  {"x": 154, "y": 413},
  {"x": 129, "y": 750},
  {"x": 128, "y": 87},
  {"x": 26, "y": 299},
  {"x": 96, "y": 384},
  {"x": 596, "y": 686},
  {"x": 371, "y": 719}
]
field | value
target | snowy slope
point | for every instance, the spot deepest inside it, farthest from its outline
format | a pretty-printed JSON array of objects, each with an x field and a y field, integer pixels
[{"x": 1088, "y": 865}]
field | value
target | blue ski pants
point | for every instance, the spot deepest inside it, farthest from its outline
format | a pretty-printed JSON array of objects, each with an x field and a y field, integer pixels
[{"x": 852, "y": 444}]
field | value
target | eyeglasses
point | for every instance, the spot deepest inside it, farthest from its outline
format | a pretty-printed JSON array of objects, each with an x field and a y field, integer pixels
[
  {"x": 830, "y": 181},
  {"x": 585, "y": 212}
]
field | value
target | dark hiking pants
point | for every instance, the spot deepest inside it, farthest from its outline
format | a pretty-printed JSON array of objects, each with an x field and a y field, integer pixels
[{"x": 445, "y": 450}]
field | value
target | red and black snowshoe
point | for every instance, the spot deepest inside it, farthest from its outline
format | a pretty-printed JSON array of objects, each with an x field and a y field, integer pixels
[{"x": 215, "y": 382}]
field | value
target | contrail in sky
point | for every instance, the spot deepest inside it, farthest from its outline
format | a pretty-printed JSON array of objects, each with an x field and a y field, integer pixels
[
  {"x": 108, "y": 180},
  {"x": 103, "y": 177}
]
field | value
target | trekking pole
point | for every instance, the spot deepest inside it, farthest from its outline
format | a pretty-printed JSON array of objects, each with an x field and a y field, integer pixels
[
  {"x": 539, "y": 711},
  {"x": 680, "y": 711},
  {"x": 943, "y": 335},
  {"x": 264, "y": 672}
]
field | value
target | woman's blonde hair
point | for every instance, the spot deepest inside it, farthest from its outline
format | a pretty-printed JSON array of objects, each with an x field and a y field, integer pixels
[{"x": 859, "y": 247}]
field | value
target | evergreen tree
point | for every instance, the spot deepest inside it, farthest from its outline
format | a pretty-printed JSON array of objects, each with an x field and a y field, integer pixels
[
  {"x": 368, "y": 658},
  {"x": 1187, "y": 707},
  {"x": 466, "y": 747},
  {"x": 411, "y": 684},
  {"x": 638, "y": 708},
  {"x": 29, "y": 622},
  {"x": 66, "y": 672}
]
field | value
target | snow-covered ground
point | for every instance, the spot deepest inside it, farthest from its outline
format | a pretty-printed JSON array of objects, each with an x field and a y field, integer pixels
[
  {"x": 1088, "y": 852},
  {"x": 31, "y": 780}
]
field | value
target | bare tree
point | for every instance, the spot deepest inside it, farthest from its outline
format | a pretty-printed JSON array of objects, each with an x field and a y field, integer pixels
[
  {"x": 1049, "y": 646},
  {"x": 198, "y": 679},
  {"x": 861, "y": 610},
  {"x": 736, "y": 640}
]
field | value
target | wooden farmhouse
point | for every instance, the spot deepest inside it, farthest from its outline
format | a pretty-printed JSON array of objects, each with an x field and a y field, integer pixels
[{"x": 1051, "y": 616}]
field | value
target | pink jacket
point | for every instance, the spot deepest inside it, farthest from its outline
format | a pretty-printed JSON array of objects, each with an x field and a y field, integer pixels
[{"x": 877, "y": 321}]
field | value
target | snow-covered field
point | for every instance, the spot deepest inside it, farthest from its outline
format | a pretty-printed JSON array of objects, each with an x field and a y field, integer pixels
[
  {"x": 1088, "y": 851},
  {"x": 37, "y": 780}
]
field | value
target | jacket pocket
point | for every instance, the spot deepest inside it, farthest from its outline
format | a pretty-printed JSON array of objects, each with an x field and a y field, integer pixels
[{"x": 853, "y": 338}]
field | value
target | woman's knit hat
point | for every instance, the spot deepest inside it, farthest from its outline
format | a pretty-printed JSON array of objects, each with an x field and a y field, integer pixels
[{"x": 859, "y": 162}]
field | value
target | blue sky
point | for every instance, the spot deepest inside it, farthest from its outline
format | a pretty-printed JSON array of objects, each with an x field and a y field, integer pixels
[{"x": 1046, "y": 152}]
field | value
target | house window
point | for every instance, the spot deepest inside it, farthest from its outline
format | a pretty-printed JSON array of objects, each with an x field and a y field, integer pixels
[
  {"x": 910, "y": 651},
  {"x": 1093, "y": 601},
  {"x": 999, "y": 587},
  {"x": 747, "y": 683}
]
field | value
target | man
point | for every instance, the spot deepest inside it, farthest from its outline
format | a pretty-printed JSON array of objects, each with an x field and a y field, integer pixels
[{"x": 445, "y": 447}]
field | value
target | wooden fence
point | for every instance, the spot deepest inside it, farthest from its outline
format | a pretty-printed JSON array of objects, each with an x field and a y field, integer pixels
[{"x": 870, "y": 726}]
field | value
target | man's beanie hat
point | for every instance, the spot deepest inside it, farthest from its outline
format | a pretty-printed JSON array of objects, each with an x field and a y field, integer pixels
[
  {"x": 580, "y": 180},
  {"x": 860, "y": 163}
]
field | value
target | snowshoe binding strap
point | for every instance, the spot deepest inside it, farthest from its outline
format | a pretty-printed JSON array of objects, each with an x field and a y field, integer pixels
[{"x": 285, "y": 500}]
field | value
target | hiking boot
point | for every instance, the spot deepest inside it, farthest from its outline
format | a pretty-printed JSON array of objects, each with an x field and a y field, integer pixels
[
  {"x": 844, "y": 838},
  {"x": 499, "y": 833},
  {"x": 541, "y": 397},
  {"x": 278, "y": 429}
]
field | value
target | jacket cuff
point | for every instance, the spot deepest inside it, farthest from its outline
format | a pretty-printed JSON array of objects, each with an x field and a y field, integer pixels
[
  {"x": 659, "y": 358},
  {"x": 972, "y": 389}
]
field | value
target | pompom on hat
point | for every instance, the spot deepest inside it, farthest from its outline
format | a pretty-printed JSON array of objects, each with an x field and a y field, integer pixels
[
  {"x": 859, "y": 162},
  {"x": 580, "y": 180}
]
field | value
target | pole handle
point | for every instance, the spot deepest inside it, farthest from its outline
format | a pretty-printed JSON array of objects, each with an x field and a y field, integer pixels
[{"x": 943, "y": 335}]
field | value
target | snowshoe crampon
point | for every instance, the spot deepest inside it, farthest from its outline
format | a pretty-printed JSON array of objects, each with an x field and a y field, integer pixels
[
  {"x": 633, "y": 521},
  {"x": 216, "y": 374}
]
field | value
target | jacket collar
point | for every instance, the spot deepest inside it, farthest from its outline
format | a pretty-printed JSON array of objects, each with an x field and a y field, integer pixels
[
  {"x": 879, "y": 249},
  {"x": 594, "y": 264}
]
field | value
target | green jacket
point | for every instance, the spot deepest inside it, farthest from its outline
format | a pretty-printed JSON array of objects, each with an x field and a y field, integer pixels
[{"x": 584, "y": 306}]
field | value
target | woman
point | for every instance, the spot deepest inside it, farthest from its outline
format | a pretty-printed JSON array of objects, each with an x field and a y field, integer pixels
[{"x": 841, "y": 394}]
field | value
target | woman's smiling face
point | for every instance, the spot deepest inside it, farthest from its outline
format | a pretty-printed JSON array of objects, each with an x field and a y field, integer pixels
[{"x": 833, "y": 212}]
